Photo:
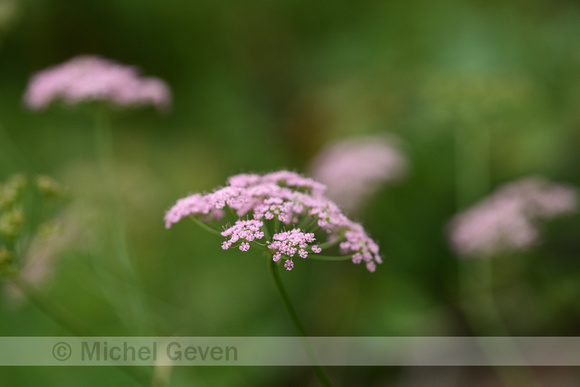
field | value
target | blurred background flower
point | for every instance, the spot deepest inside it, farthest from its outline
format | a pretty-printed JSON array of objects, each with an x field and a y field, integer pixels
[
  {"x": 354, "y": 169},
  {"x": 94, "y": 79},
  {"x": 506, "y": 221}
]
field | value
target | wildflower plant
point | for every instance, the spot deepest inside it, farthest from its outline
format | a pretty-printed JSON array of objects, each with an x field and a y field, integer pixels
[
  {"x": 282, "y": 214},
  {"x": 99, "y": 86},
  {"x": 506, "y": 221},
  {"x": 502, "y": 224},
  {"x": 286, "y": 217},
  {"x": 354, "y": 169},
  {"x": 86, "y": 79}
]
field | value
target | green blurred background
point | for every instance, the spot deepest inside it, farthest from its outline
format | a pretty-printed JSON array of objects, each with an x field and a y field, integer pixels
[{"x": 260, "y": 86}]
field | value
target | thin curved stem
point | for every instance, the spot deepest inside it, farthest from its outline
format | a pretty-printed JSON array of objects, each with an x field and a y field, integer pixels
[
  {"x": 266, "y": 231},
  {"x": 472, "y": 155},
  {"x": 319, "y": 371},
  {"x": 104, "y": 149},
  {"x": 258, "y": 246},
  {"x": 329, "y": 258},
  {"x": 484, "y": 316},
  {"x": 205, "y": 226},
  {"x": 286, "y": 299},
  {"x": 326, "y": 245},
  {"x": 472, "y": 180}
]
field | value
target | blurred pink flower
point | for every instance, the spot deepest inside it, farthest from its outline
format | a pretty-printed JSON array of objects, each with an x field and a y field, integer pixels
[
  {"x": 92, "y": 78},
  {"x": 287, "y": 199},
  {"x": 505, "y": 221},
  {"x": 354, "y": 169}
]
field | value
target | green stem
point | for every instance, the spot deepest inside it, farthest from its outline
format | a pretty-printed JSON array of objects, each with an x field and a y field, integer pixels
[
  {"x": 266, "y": 232},
  {"x": 318, "y": 370},
  {"x": 326, "y": 245},
  {"x": 477, "y": 288},
  {"x": 329, "y": 258},
  {"x": 314, "y": 229},
  {"x": 258, "y": 246},
  {"x": 306, "y": 219},
  {"x": 205, "y": 226},
  {"x": 484, "y": 316},
  {"x": 104, "y": 149},
  {"x": 472, "y": 157}
]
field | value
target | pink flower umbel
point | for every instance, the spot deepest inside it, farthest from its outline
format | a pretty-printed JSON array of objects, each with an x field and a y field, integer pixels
[
  {"x": 354, "y": 169},
  {"x": 286, "y": 215},
  {"x": 247, "y": 230},
  {"x": 95, "y": 79},
  {"x": 506, "y": 221},
  {"x": 289, "y": 243}
]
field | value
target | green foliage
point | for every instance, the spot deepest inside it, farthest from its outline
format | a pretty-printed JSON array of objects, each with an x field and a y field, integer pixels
[
  {"x": 260, "y": 86},
  {"x": 26, "y": 209}
]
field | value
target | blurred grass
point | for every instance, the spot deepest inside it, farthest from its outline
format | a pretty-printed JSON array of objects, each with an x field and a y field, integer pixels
[{"x": 263, "y": 86}]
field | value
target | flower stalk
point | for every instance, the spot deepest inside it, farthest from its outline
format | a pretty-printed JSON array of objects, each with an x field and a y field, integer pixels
[
  {"x": 105, "y": 156},
  {"x": 287, "y": 218},
  {"x": 469, "y": 237},
  {"x": 318, "y": 370}
]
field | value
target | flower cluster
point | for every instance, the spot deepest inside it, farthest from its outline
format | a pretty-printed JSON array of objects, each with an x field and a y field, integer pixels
[
  {"x": 92, "y": 78},
  {"x": 364, "y": 248},
  {"x": 288, "y": 243},
  {"x": 277, "y": 202},
  {"x": 248, "y": 230},
  {"x": 505, "y": 221},
  {"x": 353, "y": 169}
]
